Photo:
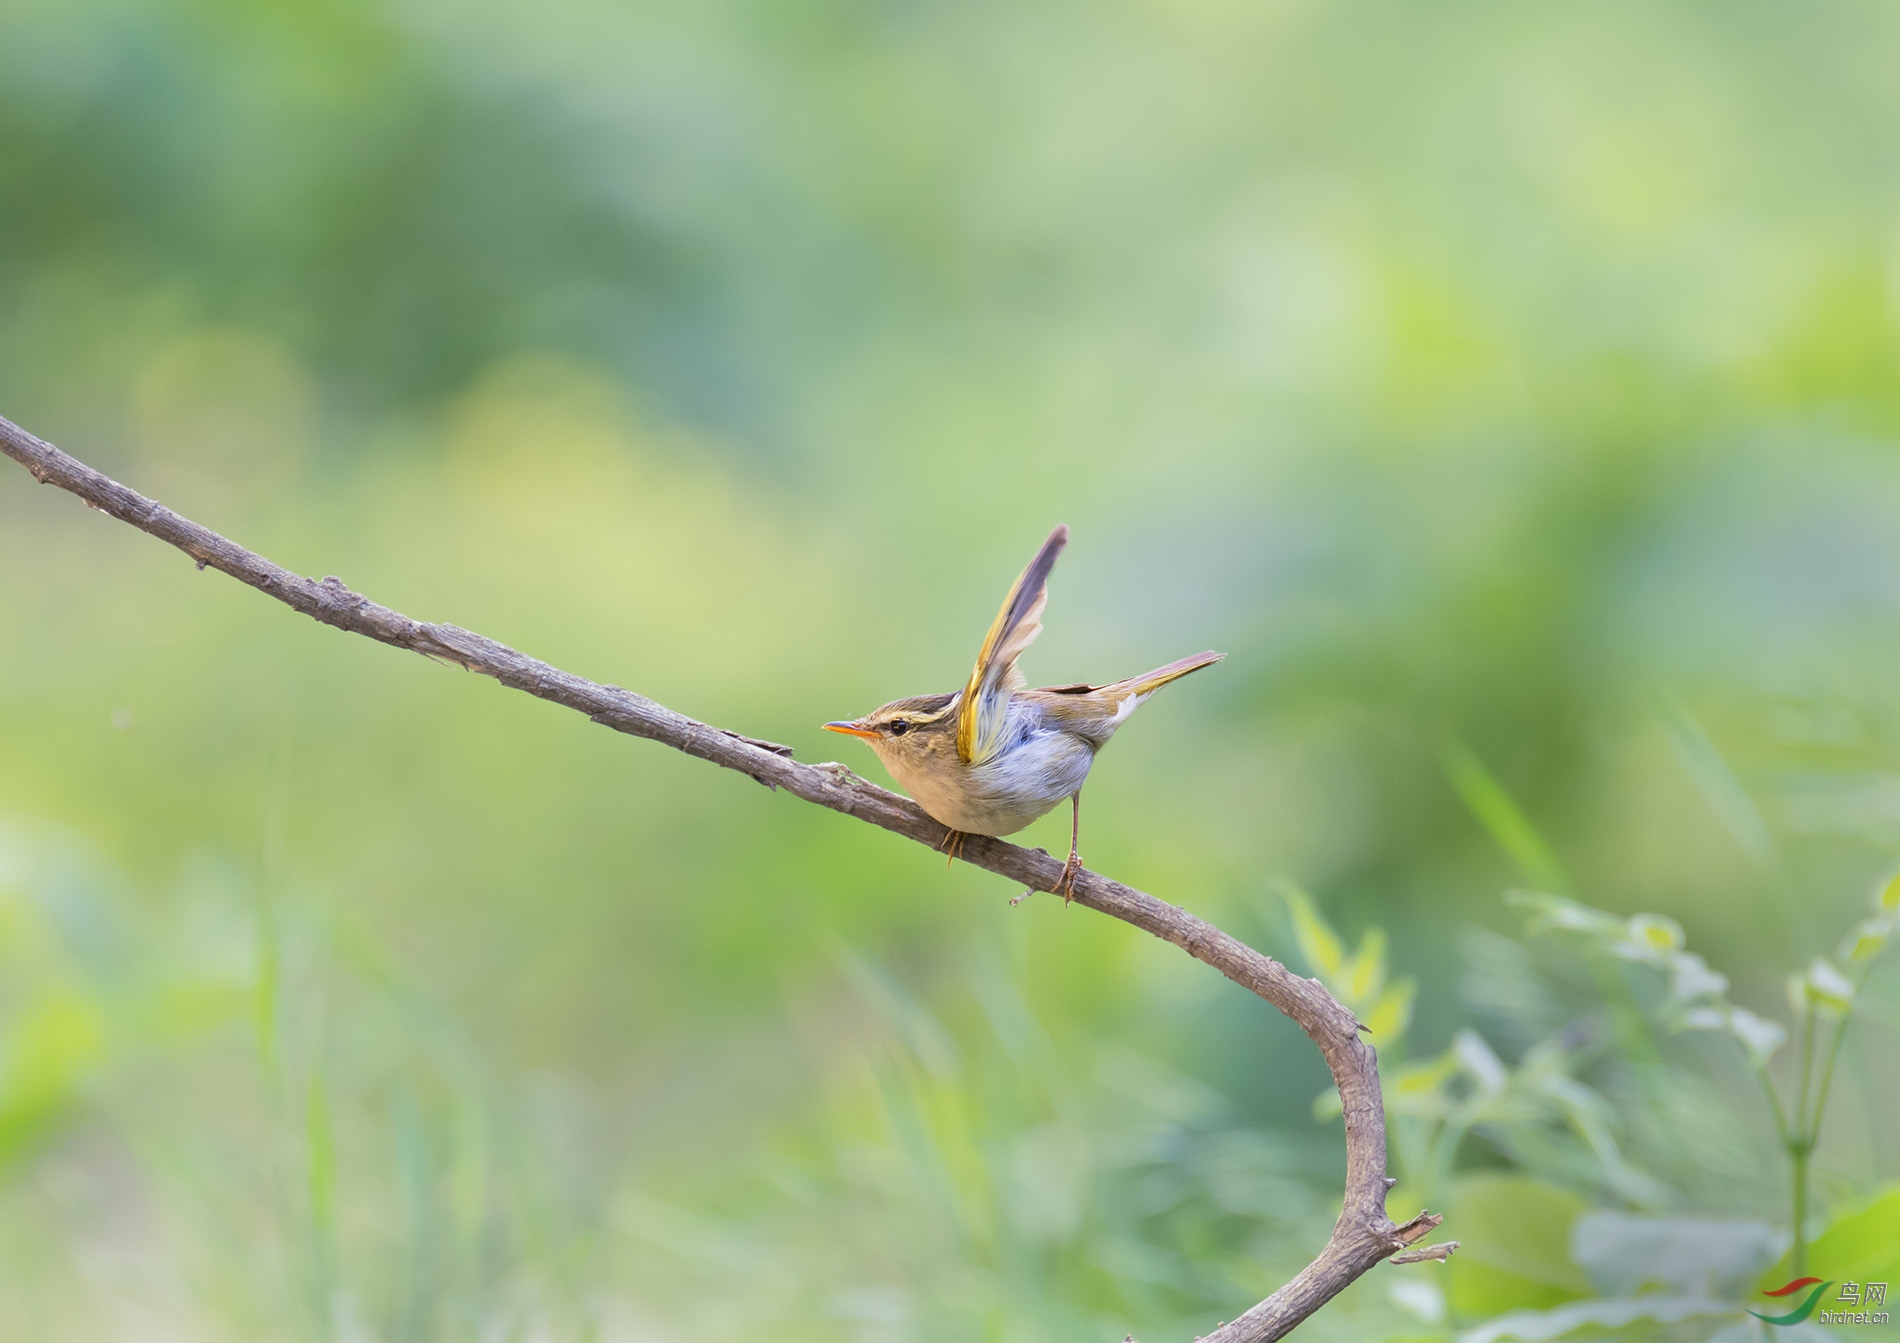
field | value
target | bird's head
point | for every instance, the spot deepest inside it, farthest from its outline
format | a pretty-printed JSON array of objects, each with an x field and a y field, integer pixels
[{"x": 906, "y": 728}]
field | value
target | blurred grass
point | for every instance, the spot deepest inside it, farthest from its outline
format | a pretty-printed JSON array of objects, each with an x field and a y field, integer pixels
[{"x": 1521, "y": 378}]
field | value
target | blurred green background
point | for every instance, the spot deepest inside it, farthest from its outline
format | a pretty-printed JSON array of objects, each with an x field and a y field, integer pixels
[{"x": 1512, "y": 391}]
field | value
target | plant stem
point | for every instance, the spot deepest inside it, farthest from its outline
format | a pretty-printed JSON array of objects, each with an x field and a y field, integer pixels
[
  {"x": 1807, "y": 1072},
  {"x": 1827, "y": 1080},
  {"x": 1800, "y": 1143},
  {"x": 1774, "y": 1103},
  {"x": 1811, "y": 1126},
  {"x": 1834, "y": 1052},
  {"x": 1798, "y": 1153}
]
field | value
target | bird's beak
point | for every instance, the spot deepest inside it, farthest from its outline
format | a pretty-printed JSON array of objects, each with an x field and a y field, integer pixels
[{"x": 853, "y": 729}]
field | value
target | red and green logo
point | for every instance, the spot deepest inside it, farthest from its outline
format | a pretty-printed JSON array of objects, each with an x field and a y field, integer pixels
[{"x": 1800, "y": 1312}]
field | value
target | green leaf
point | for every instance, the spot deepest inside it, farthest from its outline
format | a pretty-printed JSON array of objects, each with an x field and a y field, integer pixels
[
  {"x": 1625, "y": 1253},
  {"x": 1325, "y": 954},
  {"x": 1391, "y": 1016},
  {"x": 50, "y": 1048},
  {"x": 1514, "y": 1235},
  {"x": 1419, "y": 1088},
  {"x": 1887, "y": 893},
  {"x": 320, "y": 1157},
  {"x": 1498, "y": 814},
  {"x": 1536, "y": 1326},
  {"x": 1365, "y": 972},
  {"x": 1868, "y": 938},
  {"x": 1478, "y": 1061},
  {"x": 1862, "y": 1242}
]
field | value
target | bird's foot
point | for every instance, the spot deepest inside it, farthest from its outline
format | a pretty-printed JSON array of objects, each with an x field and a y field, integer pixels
[
  {"x": 952, "y": 844},
  {"x": 1065, "y": 884}
]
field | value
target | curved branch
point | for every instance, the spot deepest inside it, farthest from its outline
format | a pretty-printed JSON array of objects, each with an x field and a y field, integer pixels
[{"x": 1363, "y": 1234}]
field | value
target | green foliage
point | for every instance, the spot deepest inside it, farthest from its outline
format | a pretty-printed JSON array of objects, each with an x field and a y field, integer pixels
[
  {"x": 1500, "y": 816},
  {"x": 1701, "y": 1263},
  {"x": 1694, "y": 995},
  {"x": 1514, "y": 1238},
  {"x": 1359, "y": 980},
  {"x": 1861, "y": 1242},
  {"x": 1433, "y": 1105}
]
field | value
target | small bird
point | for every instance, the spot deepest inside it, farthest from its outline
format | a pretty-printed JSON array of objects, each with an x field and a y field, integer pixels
[{"x": 992, "y": 757}]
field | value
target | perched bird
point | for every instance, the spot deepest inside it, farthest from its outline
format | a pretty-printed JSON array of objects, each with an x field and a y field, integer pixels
[{"x": 992, "y": 757}]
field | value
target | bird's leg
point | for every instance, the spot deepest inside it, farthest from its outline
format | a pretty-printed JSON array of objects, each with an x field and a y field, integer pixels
[
  {"x": 1065, "y": 884},
  {"x": 952, "y": 844}
]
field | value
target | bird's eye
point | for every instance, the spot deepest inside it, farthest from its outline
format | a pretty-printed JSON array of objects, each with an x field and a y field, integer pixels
[{"x": 899, "y": 726}]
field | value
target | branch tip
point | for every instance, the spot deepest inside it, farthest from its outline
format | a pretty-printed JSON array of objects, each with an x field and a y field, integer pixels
[{"x": 1441, "y": 1252}]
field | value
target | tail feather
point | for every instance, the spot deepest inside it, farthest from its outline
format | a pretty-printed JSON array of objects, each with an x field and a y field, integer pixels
[
  {"x": 1093, "y": 712},
  {"x": 1149, "y": 682}
]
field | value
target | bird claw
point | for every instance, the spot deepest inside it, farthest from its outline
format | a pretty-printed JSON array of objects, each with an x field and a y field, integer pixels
[
  {"x": 952, "y": 844},
  {"x": 1065, "y": 884}
]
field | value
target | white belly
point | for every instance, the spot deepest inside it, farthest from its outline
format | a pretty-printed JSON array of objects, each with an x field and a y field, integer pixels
[{"x": 1007, "y": 793}]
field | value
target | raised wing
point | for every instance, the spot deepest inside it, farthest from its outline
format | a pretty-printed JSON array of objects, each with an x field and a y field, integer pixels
[{"x": 985, "y": 701}]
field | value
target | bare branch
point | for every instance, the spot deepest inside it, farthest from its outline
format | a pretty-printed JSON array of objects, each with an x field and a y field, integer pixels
[
  {"x": 1424, "y": 1252},
  {"x": 1363, "y": 1235}
]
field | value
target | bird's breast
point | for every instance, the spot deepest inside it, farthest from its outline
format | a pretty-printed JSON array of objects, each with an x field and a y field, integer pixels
[{"x": 1005, "y": 793}]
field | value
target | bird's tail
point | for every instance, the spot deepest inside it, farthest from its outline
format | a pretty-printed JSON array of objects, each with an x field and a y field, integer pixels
[{"x": 1149, "y": 682}]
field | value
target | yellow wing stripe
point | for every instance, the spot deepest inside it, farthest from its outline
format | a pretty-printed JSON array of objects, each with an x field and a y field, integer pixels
[{"x": 982, "y": 710}]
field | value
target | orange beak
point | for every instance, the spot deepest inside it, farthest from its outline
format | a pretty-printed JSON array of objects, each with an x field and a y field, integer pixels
[{"x": 853, "y": 729}]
